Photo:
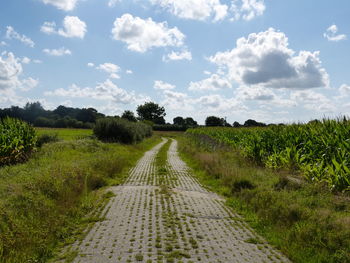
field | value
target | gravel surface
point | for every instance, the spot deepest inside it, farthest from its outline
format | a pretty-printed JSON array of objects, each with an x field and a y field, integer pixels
[{"x": 165, "y": 215}]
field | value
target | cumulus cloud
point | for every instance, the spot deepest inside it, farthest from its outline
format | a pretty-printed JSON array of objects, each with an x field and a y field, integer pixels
[
  {"x": 183, "y": 55},
  {"x": 10, "y": 72},
  {"x": 12, "y": 34},
  {"x": 141, "y": 35},
  {"x": 129, "y": 71},
  {"x": 264, "y": 59},
  {"x": 313, "y": 101},
  {"x": 72, "y": 27},
  {"x": 194, "y": 9},
  {"x": 214, "y": 82},
  {"x": 344, "y": 90},
  {"x": 26, "y": 60},
  {"x": 105, "y": 91},
  {"x": 66, "y": 5},
  {"x": 112, "y": 3},
  {"x": 57, "y": 52},
  {"x": 111, "y": 69},
  {"x": 331, "y": 34},
  {"x": 161, "y": 85},
  {"x": 256, "y": 93},
  {"x": 3, "y": 43},
  {"x": 247, "y": 9},
  {"x": 91, "y": 65}
]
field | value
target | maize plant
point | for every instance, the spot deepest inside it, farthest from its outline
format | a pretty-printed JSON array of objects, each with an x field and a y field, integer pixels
[
  {"x": 321, "y": 149},
  {"x": 17, "y": 140}
]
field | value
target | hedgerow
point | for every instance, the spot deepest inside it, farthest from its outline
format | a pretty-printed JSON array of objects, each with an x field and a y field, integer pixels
[{"x": 121, "y": 130}]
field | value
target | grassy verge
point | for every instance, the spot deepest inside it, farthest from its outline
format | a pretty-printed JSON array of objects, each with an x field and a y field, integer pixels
[
  {"x": 305, "y": 221},
  {"x": 65, "y": 133},
  {"x": 45, "y": 201}
]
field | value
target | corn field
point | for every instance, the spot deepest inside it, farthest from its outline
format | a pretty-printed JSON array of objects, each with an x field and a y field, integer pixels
[
  {"x": 17, "y": 140},
  {"x": 320, "y": 149}
]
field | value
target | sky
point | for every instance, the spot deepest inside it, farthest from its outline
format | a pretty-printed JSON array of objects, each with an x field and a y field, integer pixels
[{"x": 268, "y": 60}]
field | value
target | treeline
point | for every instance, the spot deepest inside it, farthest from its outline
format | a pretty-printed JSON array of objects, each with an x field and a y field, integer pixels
[{"x": 61, "y": 117}]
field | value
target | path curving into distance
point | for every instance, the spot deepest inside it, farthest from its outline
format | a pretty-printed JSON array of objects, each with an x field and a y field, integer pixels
[{"x": 169, "y": 217}]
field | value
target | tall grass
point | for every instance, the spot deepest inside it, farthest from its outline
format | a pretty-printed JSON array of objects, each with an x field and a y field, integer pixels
[
  {"x": 43, "y": 201},
  {"x": 121, "y": 130},
  {"x": 320, "y": 150},
  {"x": 17, "y": 140}
]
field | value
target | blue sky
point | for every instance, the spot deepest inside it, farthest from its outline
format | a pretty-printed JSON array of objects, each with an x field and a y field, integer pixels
[{"x": 273, "y": 61}]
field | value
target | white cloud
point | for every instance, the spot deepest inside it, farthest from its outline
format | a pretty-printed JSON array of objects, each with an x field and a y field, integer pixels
[
  {"x": 91, "y": 65},
  {"x": 10, "y": 72},
  {"x": 29, "y": 83},
  {"x": 129, "y": 71},
  {"x": 111, "y": 69},
  {"x": 264, "y": 59},
  {"x": 72, "y": 27},
  {"x": 12, "y": 34},
  {"x": 112, "y": 3},
  {"x": 66, "y": 5},
  {"x": 3, "y": 43},
  {"x": 247, "y": 9},
  {"x": 160, "y": 85},
  {"x": 331, "y": 34},
  {"x": 344, "y": 90},
  {"x": 183, "y": 55},
  {"x": 37, "y": 61},
  {"x": 214, "y": 82},
  {"x": 256, "y": 93},
  {"x": 142, "y": 35},
  {"x": 106, "y": 91},
  {"x": 57, "y": 52},
  {"x": 194, "y": 9},
  {"x": 26, "y": 60},
  {"x": 313, "y": 101}
]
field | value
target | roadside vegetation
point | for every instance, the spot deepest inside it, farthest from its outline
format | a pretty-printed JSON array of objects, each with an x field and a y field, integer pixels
[
  {"x": 320, "y": 150},
  {"x": 17, "y": 141},
  {"x": 51, "y": 198},
  {"x": 304, "y": 219}
]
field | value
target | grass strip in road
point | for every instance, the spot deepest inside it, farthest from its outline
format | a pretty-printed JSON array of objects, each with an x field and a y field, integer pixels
[
  {"x": 44, "y": 202},
  {"x": 305, "y": 221}
]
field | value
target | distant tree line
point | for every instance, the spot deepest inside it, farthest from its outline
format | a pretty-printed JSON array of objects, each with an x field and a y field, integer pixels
[{"x": 149, "y": 112}]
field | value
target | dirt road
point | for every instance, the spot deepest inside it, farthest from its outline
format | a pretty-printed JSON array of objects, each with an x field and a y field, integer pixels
[{"x": 167, "y": 216}]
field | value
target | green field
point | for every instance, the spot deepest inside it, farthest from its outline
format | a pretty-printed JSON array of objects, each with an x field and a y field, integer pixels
[
  {"x": 65, "y": 133},
  {"x": 319, "y": 150}
]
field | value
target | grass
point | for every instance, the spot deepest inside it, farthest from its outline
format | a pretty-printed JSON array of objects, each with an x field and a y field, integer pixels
[
  {"x": 306, "y": 221},
  {"x": 45, "y": 202},
  {"x": 65, "y": 134}
]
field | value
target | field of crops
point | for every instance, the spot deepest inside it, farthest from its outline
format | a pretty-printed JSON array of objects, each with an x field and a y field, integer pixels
[
  {"x": 321, "y": 150},
  {"x": 65, "y": 134}
]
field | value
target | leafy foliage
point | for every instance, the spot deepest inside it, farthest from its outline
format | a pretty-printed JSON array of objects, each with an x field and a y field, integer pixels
[
  {"x": 321, "y": 150},
  {"x": 17, "y": 140},
  {"x": 121, "y": 130},
  {"x": 151, "y": 111},
  {"x": 213, "y": 121}
]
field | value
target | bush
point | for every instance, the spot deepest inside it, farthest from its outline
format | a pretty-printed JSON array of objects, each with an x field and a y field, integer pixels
[
  {"x": 121, "y": 130},
  {"x": 46, "y": 138},
  {"x": 17, "y": 140}
]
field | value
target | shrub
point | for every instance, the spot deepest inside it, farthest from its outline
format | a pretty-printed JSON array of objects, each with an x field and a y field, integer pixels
[
  {"x": 121, "y": 130},
  {"x": 17, "y": 140},
  {"x": 46, "y": 138}
]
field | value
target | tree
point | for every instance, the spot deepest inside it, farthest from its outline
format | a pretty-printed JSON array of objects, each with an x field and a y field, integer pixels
[
  {"x": 179, "y": 121},
  {"x": 190, "y": 122},
  {"x": 214, "y": 121},
  {"x": 151, "y": 111},
  {"x": 87, "y": 115},
  {"x": 253, "y": 123},
  {"x": 236, "y": 124},
  {"x": 129, "y": 115}
]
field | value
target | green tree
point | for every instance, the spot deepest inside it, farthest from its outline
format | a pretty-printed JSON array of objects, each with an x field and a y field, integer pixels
[
  {"x": 214, "y": 121},
  {"x": 129, "y": 115},
  {"x": 179, "y": 121},
  {"x": 151, "y": 111}
]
